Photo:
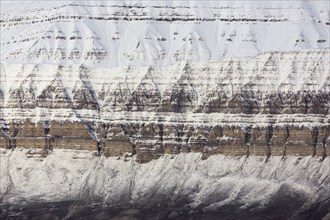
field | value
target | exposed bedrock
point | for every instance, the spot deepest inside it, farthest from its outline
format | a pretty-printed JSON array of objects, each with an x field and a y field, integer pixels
[
  {"x": 152, "y": 140},
  {"x": 272, "y": 104}
]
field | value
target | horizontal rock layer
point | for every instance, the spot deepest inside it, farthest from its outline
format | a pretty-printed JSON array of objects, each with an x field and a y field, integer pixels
[
  {"x": 272, "y": 83},
  {"x": 273, "y": 104},
  {"x": 152, "y": 140}
]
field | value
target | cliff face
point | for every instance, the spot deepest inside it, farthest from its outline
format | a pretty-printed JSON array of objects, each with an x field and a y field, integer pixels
[
  {"x": 150, "y": 140},
  {"x": 101, "y": 101},
  {"x": 273, "y": 104}
]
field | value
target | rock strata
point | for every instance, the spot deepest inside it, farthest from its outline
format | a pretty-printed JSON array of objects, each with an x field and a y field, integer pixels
[
  {"x": 273, "y": 104},
  {"x": 149, "y": 142}
]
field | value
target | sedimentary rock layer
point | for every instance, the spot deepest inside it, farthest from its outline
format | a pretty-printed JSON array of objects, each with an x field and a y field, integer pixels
[
  {"x": 151, "y": 140},
  {"x": 273, "y": 104}
]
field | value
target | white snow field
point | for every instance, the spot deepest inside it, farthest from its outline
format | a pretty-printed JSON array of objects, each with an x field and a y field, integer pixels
[
  {"x": 158, "y": 33},
  {"x": 218, "y": 181}
]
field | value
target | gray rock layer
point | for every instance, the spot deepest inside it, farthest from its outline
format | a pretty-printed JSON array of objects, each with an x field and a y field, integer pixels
[{"x": 273, "y": 104}]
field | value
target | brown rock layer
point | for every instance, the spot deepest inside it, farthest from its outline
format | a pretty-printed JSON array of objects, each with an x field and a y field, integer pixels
[
  {"x": 273, "y": 104},
  {"x": 150, "y": 141}
]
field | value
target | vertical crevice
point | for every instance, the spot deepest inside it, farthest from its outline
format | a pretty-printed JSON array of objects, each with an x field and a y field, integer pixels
[
  {"x": 315, "y": 134},
  {"x": 269, "y": 136},
  {"x": 5, "y": 132},
  {"x": 161, "y": 133},
  {"x": 161, "y": 137},
  {"x": 178, "y": 138},
  {"x": 324, "y": 145},
  {"x": 247, "y": 137},
  {"x": 129, "y": 135},
  {"x": 286, "y": 140},
  {"x": 47, "y": 137},
  {"x": 104, "y": 136},
  {"x": 15, "y": 132},
  {"x": 133, "y": 149},
  {"x": 98, "y": 147}
]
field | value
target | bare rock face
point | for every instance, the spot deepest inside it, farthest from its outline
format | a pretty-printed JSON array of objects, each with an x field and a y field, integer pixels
[
  {"x": 273, "y": 104},
  {"x": 164, "y": 109},
  {"x": 149, "y": 143}
]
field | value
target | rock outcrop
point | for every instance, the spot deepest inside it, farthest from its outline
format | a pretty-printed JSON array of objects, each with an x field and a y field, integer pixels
[
  {"x": 164, "y": 110},
  {"x": 273, "y": 104}
]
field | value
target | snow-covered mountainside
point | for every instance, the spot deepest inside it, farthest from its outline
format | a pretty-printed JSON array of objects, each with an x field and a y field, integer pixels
[
  {"x": 159, "y": 33},
  {"x": 178, "y": 109},
  {"x": 235, "y": 187}
]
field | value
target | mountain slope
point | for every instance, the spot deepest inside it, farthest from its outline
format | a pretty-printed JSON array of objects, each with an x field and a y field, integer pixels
[
  {"x": 110, "y": 34},
  {"x": 164, "y": 110},
  {"x": 275, "y": 103}
]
